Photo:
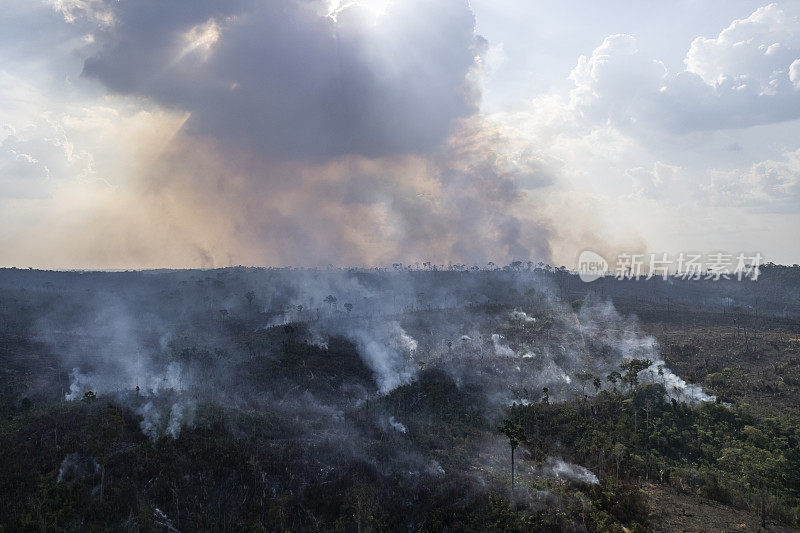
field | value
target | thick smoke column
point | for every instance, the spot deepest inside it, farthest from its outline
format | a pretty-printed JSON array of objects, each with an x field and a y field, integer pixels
[
  {"x": 321, "y": 145},
  {"x": 388, "y": 352}
]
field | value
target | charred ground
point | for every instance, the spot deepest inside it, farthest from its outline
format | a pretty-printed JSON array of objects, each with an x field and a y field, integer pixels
[{"x": 276, "y": 399}]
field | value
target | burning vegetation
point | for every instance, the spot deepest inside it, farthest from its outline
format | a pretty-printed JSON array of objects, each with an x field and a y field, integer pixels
[{"x": 279, "y": 399}]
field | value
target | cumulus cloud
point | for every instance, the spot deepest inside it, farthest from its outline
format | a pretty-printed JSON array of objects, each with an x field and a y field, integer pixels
[
  {"x": 794, "y": 73},
  {"x": 769, "y": 185},
  {"x": 638, "y": 149},
  {"x": 616, "y": 82},
  {"x": 755, "y": 51},
  {"x": 745, "y": 76}
]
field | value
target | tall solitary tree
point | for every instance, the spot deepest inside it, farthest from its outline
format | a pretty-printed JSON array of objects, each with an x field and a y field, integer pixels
[{"x": 515, "y": 435}]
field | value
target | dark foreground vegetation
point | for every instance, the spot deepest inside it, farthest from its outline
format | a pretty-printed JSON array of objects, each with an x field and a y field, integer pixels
[{"x": 277, "y": 400}]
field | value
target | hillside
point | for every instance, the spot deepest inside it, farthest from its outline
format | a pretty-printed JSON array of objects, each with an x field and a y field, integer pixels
[{"x": 370, "y": 400}]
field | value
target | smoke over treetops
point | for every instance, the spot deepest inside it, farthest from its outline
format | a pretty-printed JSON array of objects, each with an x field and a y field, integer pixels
[
  {"x": 205, "y": 343},
  {"x": 288, "y": 382}
]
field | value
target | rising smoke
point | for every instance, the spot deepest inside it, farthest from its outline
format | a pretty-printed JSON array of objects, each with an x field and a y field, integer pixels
[
  {"x": 557, "y": 468},
  {"x": 163, "y": 360},
  {"x": 351, "y": 140}
]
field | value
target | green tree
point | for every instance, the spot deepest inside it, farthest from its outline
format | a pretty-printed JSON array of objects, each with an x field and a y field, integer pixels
[
  {"x": 515, "y": 435},
  {"x": 632, "y": 367},
  {"x": 584, "y": 377}
]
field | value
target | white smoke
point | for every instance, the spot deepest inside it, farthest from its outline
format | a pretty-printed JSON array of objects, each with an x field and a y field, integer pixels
[
  {"x": 388, "y": 352},
  {"x": 172, "y": 379},
  {"x": 435, "y": 469},
  {"x": 169, "y": 378},
  {"x": 552, "y": 373},
  {"x": 181, "y": 414},
  {"x": 522, "y": 316},
  {"x": 151, "y": 420},
  {"x": 601, "y": 325},
  {"x": 501, "y": 349},
  {"x": 675, "y": 386},
  {"x": 402, "y": 339},
  {"x": 396, "y": 424},
  {"x": 76, "y": 467},
  {"x": 557, "y": 468},
  {"x": 79, "y": 385},
  {"x": 517, "y": 365}
]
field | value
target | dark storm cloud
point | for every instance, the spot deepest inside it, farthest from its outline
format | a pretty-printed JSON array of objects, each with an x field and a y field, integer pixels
[{"x": 285, "y": 79}]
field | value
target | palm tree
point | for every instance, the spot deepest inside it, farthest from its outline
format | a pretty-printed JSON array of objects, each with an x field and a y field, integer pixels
[{"x": 515, "y": 435}]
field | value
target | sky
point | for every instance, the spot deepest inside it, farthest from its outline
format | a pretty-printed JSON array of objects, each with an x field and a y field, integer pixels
[{"x": 208, "y": 133}]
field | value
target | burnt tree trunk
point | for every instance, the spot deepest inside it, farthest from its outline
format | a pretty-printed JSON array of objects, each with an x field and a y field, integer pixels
[{"x": 512, "y": 471}]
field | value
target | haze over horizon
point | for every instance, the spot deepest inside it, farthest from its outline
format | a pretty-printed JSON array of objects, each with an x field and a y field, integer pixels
[{"x": 309, "y": 132}]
